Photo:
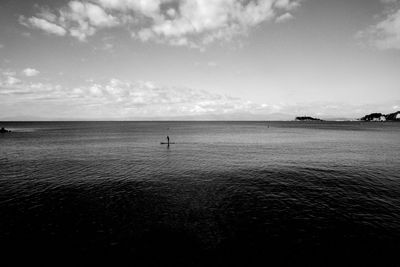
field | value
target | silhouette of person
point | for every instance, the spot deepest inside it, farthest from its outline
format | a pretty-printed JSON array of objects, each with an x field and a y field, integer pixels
[{"x": 168, "y": 139}]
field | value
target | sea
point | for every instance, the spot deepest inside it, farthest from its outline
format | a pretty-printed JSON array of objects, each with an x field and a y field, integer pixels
[{"x": 224, "y": 194}]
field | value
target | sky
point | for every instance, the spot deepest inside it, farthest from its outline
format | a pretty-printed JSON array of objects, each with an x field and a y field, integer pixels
[{"x": 198, "y": 59}]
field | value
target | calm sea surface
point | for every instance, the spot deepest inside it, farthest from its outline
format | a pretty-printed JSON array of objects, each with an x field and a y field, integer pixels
[{"x": 227, "y": 193}]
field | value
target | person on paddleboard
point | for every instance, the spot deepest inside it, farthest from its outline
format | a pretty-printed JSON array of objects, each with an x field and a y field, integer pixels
[{"x": 168, "y": 139}]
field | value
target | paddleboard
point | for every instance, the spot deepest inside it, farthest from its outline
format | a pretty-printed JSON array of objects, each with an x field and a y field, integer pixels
[{"x": 164, "y": 143}]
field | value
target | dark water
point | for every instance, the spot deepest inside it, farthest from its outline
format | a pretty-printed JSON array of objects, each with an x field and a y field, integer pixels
[{"x": 234, "y": 193}]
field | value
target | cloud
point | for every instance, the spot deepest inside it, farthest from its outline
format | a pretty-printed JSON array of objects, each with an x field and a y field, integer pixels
[
  {"x": 78, "y": 19},
  {"x": 285, "y": 17},
  {"x": 43, "y": 25},
  {"x": 118, "y": 99},
  {"x": 83, "y": 19},
  {"x": 386, "y": 33},
  {"x": 10, "y": 80},
  {"x": 7, "y": 78},
  {"x": 1, "y": 46},
  {"x": 29, "y": 72},
  {"x": 193, "y": 23},
  {"x": 149, "y": 99},
  {"x": 287, "y": 4}
]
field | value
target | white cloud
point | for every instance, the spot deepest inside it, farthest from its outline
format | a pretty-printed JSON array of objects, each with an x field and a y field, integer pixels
[
  {"x": 7, "y": 78},
  {"x": 117, "y": 99},
  {"x": 29, "y": 72},
  {"x": 192, "y": 23},
  {"x": 43, "y": 24},
  {"x": 10, "y": 80},
  {"x": 122, "y": 98},
  {"x": 285, "y": 17},
  {"x": 145, "y": 35},
  {"x": 84, "y": 18},
  {"x": 287, "y": 4},
  {"x": 78, "y": 19},
  {"x": 386, "y": 33}
]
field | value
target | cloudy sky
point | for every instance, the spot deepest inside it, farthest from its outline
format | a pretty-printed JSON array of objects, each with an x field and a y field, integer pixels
[{"x": 198, "y": 59}]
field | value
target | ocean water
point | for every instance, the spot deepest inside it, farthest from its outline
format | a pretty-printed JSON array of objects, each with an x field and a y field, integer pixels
[{"x": 226, "y": 194}]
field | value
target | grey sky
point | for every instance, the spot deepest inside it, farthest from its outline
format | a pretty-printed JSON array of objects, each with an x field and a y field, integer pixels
[{"x": 131, "y": 59}]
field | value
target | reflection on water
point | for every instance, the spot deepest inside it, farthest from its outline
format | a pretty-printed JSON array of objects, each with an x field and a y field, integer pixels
[{"x": 226, "y": 194}]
